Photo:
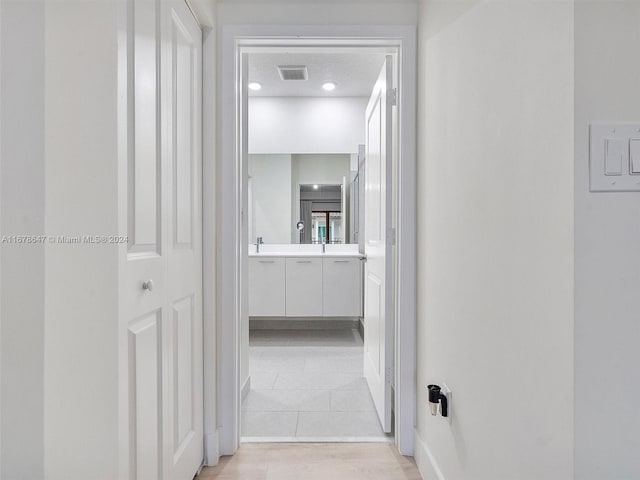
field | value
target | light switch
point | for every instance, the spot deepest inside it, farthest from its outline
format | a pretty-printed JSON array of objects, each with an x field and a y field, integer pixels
[
  {"x": 614, "y": 157},
  {"x": 613, "y": 153},
  {"x": 634, "y": 156}
]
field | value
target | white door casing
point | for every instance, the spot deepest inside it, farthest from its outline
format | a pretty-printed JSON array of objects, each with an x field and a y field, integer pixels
[
  {"x": 236, "y": 41},
  {"x": 378, "y": 304},
  {"x": 160, "y": 267}
]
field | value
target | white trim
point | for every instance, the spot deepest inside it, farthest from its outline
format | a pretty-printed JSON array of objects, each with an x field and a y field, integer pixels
[
  {"x": 211, "y": 449},
  {"x": 316, "y": 440},
  {"x": 427, "y": 465},
  {"x": 233, "y": 249}
]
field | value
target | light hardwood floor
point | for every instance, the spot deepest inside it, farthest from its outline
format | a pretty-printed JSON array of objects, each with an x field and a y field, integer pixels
[{"x": 314, "y": 461}]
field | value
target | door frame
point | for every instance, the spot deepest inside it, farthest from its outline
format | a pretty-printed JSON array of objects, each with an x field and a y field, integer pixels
[{"x": 231, "y": 241}]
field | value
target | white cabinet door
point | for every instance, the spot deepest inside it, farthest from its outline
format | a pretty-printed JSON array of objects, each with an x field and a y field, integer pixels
[
  {"x": 341, "y": 287},
  {"x": 266, "y": 287},
  {"x": 304, "y": 287}
]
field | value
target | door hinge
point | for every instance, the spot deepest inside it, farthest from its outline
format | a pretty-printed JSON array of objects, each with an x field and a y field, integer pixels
[
  {"x": 393, "y": 95},
  {"x": 391, "y": 236},
  {"x": 390, "y": 380}
]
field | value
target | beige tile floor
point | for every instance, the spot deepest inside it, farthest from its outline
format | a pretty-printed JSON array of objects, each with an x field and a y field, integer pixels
[
  {"x": 307, "y": 385},
  {"x": 314, "y": 461}
]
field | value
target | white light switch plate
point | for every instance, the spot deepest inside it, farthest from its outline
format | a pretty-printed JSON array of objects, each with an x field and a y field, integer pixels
[{"x": 616, "y": 138}]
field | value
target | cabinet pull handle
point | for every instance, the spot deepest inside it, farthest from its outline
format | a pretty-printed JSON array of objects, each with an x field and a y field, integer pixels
[
  {"x": 266, "y": 261},
  {"x": 303, "y": 261},
  {"x": 341, "y": 261}
]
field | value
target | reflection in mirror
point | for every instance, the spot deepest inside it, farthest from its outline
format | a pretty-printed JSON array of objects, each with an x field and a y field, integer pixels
[
  {"x": 321, "y": 207},
  {"x": 286, "y": 192}
]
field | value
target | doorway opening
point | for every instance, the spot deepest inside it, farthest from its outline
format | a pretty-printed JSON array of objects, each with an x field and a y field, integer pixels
[
  {"x": 305, "y": 379},
  {"x": 397, "y": 232}
]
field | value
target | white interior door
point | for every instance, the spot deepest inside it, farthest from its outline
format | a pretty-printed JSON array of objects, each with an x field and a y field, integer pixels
[
  {"x": 161, "y": 278},
  {"x": 182, "y": 127},
  {"x": 143, "y": 287},
  {"x": 378, "y": 326}
]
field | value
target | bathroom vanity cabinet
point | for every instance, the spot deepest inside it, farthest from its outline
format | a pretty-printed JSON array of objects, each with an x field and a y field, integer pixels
[
  {"x": 305, "y": 286},
  {"x": 341, "y": 287},
  {"x": 304, "y": 296},
  {"x": 267, "y": 287}
]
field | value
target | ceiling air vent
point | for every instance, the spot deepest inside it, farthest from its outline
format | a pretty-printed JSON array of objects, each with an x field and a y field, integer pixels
[{"x": 293, "y": 72}]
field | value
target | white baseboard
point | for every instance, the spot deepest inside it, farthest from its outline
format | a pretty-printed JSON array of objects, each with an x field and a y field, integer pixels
[
  {"x": 427, "y": 465},
  {"x": 211, "y": 449},
  {"x": 245, "y": 389}
]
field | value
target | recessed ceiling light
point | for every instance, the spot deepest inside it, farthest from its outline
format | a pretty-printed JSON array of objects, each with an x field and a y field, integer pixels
[
  {"x": 254, "y": 86},
  {"x": 329, "y": 86},
  {"x": 315, "y": 187}
]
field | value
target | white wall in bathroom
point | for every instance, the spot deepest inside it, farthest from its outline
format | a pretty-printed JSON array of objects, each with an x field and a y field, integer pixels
[
  {"x": 306, "y": 124},
  {"x": 271, "y": 195},
  {"x": 322, "y": 169},
  {"x": 495, "y": 229},
  {"x": 607, "y": 425}
]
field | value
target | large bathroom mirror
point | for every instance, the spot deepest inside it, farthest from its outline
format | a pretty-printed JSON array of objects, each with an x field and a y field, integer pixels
[{"x": 299, "y": 198}]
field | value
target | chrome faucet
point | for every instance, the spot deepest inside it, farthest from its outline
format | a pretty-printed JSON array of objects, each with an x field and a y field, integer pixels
[
  {"x": 258, "y": 242},
  {"x": 324, "y": 244}
]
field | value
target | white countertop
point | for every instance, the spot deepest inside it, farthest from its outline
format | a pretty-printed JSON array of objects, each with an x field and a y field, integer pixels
[
  {"x": 295, "y": 250},
  {"x": 306, "y": 254}
]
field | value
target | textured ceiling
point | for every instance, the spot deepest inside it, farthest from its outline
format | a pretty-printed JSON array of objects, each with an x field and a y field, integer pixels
[{"x": 354, "y": 73}]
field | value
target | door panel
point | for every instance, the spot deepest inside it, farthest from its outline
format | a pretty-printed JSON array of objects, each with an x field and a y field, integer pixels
[
  {"x": 378, "y": 320},
  {"x": 144, "y": 338},
  {"x": 181, "y": 75},
  {"x": 144, "y": 164},
  {"x": 183, "y": 72},
  {"x": 143, "y": 308},
  {"x": 183, "y": 343},
  {"x": 161, "y": 276}
]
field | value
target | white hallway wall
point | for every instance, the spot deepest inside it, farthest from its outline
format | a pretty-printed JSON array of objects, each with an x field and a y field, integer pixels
[
  {"x": 59, "y": 302},
  {"x": 495, "y": 223},
  {"x": 306, "y": 124},
  {"x": 607, "y": 35},
  {"x": 23, "y": 209}
]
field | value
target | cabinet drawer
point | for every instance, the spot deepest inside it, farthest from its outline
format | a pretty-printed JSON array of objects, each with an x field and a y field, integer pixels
[
  {"x": 342, "y": 295},
  {"x": 304, "y": 287},
  {"x": 266, "y": 287}
]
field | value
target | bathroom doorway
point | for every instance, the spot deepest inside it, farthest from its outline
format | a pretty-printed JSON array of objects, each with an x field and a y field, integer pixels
[
  {"x": 304, "y": 378},
  {"x": 238, "y": 266}
]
